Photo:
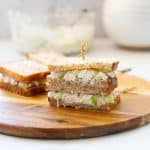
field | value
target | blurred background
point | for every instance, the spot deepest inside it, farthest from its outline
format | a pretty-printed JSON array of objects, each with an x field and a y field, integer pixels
[
  {"x": 62, "y": 25},
  {"x": 56, "y": 24},
  {"x": 48, "y": 6}
]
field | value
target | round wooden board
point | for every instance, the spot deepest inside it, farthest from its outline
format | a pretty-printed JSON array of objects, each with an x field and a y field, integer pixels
[{"x": 34, "y": 118}]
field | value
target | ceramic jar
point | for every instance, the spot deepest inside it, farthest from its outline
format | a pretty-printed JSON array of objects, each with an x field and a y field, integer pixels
[{"x": 127, "y": 22}]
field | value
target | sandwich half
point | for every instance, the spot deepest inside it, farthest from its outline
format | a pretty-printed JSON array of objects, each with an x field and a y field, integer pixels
[
  {"x": 83, "y": 84},
  {"x": 45, "y": 57},
  {"x": 23, "y": 77}
]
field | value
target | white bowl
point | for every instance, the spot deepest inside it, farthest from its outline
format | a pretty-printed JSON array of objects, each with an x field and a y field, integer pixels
[{"x": 127, "y": 22}]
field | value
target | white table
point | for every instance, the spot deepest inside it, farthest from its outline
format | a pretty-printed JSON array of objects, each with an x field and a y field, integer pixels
[{"x": 137, "y": 139}]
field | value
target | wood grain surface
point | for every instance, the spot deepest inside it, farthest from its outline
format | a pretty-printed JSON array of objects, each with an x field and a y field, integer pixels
[{"x": 34, "y": 118}]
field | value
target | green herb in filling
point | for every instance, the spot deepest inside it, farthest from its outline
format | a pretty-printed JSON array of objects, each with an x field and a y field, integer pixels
[
  {"x": 109, "y": 98},
  {"x": 61, "y": 75},
  {"x": 76, "y": 73},
  {"x": 101, "y": 75},
  {"x": 111, "y": 74},
  {"x": 94, "y": 100},
  {"x": 42, "y": 82},
  {"x": 57, "y": 96}
]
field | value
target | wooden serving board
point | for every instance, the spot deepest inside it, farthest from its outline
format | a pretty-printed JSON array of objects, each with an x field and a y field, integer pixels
[{"x": 34, "y": 118}]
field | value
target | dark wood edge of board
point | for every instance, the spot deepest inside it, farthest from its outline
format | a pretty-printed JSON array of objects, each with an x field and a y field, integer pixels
[{"x": 74, "y": 133}]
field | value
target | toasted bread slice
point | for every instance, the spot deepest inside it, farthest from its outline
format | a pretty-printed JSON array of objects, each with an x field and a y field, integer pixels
[
  {"x": 79, "y": 105},
  {"x": 20, "y": 91},
  {"x": 45, "y": 57},
  {"x": 24, "y": 70},
  {"x": 73, "y": 63},
  {"x": 97, "y": 87}
]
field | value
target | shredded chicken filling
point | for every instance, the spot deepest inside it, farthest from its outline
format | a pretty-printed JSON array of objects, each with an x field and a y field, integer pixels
[
  {"x": 7, "y": 79},
  {"x": 83, "y": 75},
  {"x": 94, "y": 100}
]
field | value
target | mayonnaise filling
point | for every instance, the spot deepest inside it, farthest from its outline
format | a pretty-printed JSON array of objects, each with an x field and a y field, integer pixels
[
  {"x": 7, "y": 79},
  {"x": 94, "y": 100},
  {"x": 83, "y": 75}
]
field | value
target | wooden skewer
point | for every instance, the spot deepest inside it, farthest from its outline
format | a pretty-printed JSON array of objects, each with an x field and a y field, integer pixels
[
  {"x": 131, "y": 90},
  {"x": 126, "y": 70},
  {"x": 126, "y": 90},
  {"x": 84, "y": 48}
]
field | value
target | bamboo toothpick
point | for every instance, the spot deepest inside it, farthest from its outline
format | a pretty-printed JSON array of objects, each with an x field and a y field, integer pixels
[
  {"x": 126, "y": 90},
  {"x": 126, "y": 70},
  {"x": 132, "y": 90},
  {"x": 84, "y": 48}
]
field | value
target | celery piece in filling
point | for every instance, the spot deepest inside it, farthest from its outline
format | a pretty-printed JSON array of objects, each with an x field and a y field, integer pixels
[
  {"x": 61, "y": 75},
  {"x": 76, "y": 73},
  {"x": 94, "y": 100},
  {"x": 57, "y": 95},
  {"x": 111, "y": 74},
  {"x": 109, "y": 98},
  {"x": 41, "y": 82},
  {"x": 101, "y": 75}
]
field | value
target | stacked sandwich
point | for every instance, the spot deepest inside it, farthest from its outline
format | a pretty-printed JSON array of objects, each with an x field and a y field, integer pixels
[{"x": 87, "y": 84}]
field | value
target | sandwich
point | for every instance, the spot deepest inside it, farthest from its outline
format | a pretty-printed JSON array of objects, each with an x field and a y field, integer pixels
[
  {"x": 23, "y": 77},
  {"x": 87, "y": 84},
  {"x": 45, "y": 57}
]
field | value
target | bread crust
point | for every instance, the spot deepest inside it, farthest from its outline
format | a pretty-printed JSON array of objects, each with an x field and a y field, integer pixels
[
  {"x": 20, "y": 91},
  {"x": 63, "y": 86},
  {"x": 24, "y": 78},
  {"x": 45, "y": 57},
  {"x": 107, "y": 107},
  {"x": 103, "y": 66}
]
